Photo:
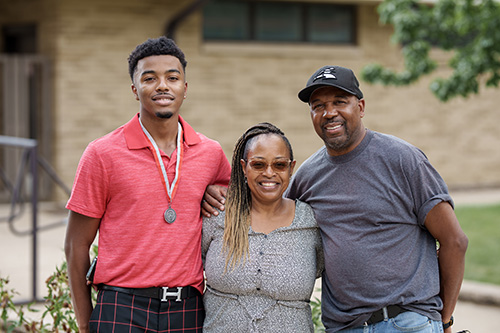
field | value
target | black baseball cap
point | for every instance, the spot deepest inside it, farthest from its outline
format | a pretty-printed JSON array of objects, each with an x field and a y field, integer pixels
[{"x": 335, "y": 76}]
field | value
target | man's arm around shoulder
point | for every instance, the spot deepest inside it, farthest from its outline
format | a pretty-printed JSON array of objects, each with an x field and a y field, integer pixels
[{"x": 80, "y": 234}]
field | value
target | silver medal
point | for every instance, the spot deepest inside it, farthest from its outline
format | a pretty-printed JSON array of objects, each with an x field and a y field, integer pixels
[{"x": 170, "y": 215}]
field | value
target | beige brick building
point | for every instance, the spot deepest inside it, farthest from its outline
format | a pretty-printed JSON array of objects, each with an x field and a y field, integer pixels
[{"x": 233, "y": 85}]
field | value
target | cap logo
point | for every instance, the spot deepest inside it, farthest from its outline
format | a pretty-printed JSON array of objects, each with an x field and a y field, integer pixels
[{"x": 326, "y": 73}]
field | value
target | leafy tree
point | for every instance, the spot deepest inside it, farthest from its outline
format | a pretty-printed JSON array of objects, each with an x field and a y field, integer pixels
[{"x": 470, "y": 28}]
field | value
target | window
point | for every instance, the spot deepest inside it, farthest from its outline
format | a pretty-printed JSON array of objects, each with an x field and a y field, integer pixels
[
  {"x": 279, "y": 22},
  {"x": 19, "y": 38},
  {"x": 226, "y": 20},
  {"x": 332, "y": 24}
]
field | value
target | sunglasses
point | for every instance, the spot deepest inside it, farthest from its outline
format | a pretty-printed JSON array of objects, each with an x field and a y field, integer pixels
[{"x": 279, "y": 165}]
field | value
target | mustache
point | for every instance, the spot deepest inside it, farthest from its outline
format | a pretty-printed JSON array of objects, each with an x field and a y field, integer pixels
[
  {"x": 164, "y": 94},
  {"x": 334, "y": 121}
]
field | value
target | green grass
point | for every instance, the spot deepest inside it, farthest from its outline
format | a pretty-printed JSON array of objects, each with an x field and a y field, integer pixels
[{"x": 482, "y": 226}]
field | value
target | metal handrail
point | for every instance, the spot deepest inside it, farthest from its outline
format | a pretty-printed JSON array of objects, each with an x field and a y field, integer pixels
[{"x": 30, "y": 154}]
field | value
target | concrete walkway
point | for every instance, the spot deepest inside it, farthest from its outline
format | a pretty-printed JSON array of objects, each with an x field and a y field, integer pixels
[
  {"x": 478, "y": 307},
  {"x": 476, "y": 197}
]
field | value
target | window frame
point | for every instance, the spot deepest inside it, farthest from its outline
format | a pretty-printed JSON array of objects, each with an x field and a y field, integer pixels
[{"x": 304, "y": 21}]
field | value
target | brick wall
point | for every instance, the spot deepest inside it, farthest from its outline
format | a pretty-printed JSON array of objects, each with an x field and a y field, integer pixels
[{"x": 232, "y": 86}]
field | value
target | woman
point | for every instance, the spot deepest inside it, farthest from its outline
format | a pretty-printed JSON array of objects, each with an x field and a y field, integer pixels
[{"x": 263, "y": 253}]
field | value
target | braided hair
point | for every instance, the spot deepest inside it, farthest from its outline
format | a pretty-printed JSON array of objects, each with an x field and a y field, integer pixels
[{"x": 239, "y": 197}]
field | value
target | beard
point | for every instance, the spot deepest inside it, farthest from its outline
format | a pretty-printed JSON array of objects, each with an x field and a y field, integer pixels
[
  {"x": 345, "y": 143},
  {"x": 164, "y": 115},
  {"x": 337, "y": 144}
]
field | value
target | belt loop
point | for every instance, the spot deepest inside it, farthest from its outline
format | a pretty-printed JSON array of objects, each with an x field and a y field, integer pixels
[{"x": 386, "y": 315}]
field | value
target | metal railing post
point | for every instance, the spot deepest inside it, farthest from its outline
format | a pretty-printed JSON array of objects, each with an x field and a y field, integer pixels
[{"x": 34, "y": 207}]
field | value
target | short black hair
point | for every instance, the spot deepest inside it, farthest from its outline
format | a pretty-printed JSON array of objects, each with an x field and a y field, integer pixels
[{"x": 155, "y": 46}]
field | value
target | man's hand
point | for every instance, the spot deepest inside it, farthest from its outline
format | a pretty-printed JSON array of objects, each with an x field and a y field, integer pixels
[{"x": 215, "y": 197}]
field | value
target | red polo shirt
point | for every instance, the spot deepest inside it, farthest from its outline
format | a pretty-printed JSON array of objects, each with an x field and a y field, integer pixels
[{"x": 118, "y": 181}]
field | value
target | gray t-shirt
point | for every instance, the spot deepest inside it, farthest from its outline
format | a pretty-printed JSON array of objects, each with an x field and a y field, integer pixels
[{"x": 371, "y": 205}]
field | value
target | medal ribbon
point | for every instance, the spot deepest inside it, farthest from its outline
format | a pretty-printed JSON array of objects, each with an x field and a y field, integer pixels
[{"x": 161, "y": 166}]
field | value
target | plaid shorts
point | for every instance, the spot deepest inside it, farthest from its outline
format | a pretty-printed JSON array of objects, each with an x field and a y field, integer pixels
[{"x": 120, "y": 312}]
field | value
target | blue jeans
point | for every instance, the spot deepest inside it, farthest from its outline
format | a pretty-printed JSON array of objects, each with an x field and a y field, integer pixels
[{"x": 404, "y": 322}]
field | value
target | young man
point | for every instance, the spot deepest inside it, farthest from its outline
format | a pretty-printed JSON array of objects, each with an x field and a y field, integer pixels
[
  {"x": 380, "y": 206},
  {"x": 141, "y": 187}
]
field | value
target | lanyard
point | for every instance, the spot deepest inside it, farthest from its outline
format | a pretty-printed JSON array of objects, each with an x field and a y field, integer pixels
[{"x": 159, "y": 161}]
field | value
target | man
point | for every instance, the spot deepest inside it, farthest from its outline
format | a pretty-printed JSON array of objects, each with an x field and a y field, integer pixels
[
  {"x": 141, "y": 187},
  {"x": 380, "y": 207}
]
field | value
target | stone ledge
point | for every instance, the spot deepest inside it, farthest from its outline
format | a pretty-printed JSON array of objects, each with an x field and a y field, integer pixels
[{"x": 481, "y": 293}]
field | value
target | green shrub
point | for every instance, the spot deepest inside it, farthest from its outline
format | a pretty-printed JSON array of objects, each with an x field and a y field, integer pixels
[
  {"x": 316, "y": 315},
  {"x": 58, "y": 315},
  {"x": 57, "y": 307}
]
